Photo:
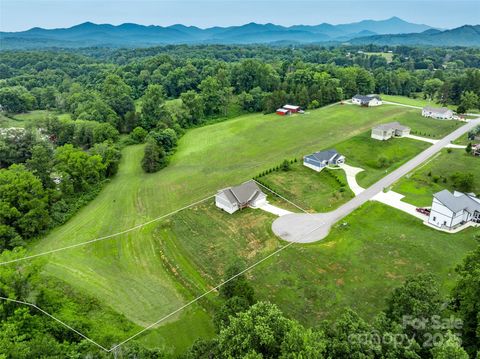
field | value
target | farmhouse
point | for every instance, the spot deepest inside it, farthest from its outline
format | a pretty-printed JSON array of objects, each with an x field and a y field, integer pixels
[
  {"x": 388, "y": 130},
  {"x": 319, "y": 160},
  {"x": 247, "y": 194},
  {"x": 450, "y": 210},
  {"x": 439, "y": 113},
  {"x": 368, "y": 100},
  {"x": 282, "y": 112}
]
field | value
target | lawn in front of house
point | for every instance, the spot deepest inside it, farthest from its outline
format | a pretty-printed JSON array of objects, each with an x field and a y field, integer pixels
[
  {"x": 313, "y": 191},
  {"x": 418, "y": 100},
  {"x": 378, "y": 158},
  {"x": 436, "y": 175}
]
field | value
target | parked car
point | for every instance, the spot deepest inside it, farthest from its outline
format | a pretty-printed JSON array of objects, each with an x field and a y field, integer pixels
[{"x": 424, "y": 211}]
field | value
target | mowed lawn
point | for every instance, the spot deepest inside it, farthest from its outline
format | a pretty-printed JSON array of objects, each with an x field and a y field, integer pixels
[
  {"x": 310, "y": 190},
  {"x": 378, "y": 158},
  {"x": 357, "y": 265},
  {"x": 128, "y": 272},
  {"x": 436, "y": 175}
]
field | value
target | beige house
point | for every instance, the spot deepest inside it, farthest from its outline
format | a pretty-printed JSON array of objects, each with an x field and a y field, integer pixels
[
  {"x": 388, "y": 130},
  {"x": 247, "y": 194}
]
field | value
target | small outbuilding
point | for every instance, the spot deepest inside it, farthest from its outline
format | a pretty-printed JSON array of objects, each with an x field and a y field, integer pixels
[
  {"x": 248, "y": 194},
  {"x": 367, "y": 100},
  {"x": 386, "y": 131},
  {"x": 282, "y": 112},
  {"x": 319, "y": 160},
  {"x": 439, "y": 113}
]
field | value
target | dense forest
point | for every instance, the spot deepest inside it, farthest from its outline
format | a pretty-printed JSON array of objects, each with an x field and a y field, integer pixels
[{"x": 99, "y": 100}]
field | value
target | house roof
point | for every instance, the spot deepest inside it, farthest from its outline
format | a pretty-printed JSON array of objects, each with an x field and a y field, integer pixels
[
  {"x": 392, "y": 126},
  {"x": 323, "y": 156},
  {"x": 291, "y": 107},
  {"x": 441, "y": 110},
  {"x": 458, "y": 201},
  {"x": 243, "y": 193},
  {"x": 366, "y": 98},
  {"x": 282, "y": 110}
]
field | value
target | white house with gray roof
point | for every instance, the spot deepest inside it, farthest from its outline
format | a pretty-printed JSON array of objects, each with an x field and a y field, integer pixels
[
  {"x": 450, "y": 210},
  {"x": 367, "y": 100},
  {"x": 247, "y": 194},
  {"x": 386, "y": 131},
  {"x": 439, "y": 113},
  {"x": 319, "y": 160}
]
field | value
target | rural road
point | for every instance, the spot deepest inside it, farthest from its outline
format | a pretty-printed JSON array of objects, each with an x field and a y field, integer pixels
[{"x": 307, "y": 228}]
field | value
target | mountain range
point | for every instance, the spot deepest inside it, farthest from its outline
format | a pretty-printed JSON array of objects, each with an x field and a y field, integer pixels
[{"x": 393, "y": 31}]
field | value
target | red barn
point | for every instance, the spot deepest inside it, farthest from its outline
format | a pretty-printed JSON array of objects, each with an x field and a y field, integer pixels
[
  {"x": 282, "y": 112},
  {"x": 292, "y": 108}
]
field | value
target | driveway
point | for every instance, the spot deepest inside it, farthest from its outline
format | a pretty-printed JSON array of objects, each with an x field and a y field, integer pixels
[
  {"x": 306, "y": 228},
  {"x": 351, "y": 173},
  {"x": 267, "y": 207}
]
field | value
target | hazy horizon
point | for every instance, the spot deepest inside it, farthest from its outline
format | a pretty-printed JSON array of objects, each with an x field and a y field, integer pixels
[{"x": 22, "y": 15}]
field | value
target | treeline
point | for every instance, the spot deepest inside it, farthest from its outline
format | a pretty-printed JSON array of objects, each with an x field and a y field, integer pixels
[{"x": 48, "y": 174}]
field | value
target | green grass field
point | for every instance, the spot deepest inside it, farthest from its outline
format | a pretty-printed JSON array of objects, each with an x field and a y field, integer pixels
[
  {"x": 134, "y": 273},
  {"x": 357, "y": 265},
  {"x": 313, "y": 191},
  {"x": 387, "y": 55},
  {"x": 322, "y": 192},
  {"x": 418, "y": 101},
  {"x": 419, "y": 186},
  {"x": 22, "y": 119},
  {"x": 378, "y": 158}
]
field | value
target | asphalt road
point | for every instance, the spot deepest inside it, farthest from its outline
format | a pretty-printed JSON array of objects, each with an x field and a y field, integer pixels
[{"x": 307, "y": 228}]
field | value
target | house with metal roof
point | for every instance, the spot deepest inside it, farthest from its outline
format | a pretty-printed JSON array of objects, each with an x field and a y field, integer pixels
[
  {"x": 248, "y": 194},
  {"x": 386, "y": 131},
  {"x": 439, "y": 113},
  {"x": 319, "y": 160},
  {"x": 367, "y": 100},
  {"x": 450, "y": 210}
]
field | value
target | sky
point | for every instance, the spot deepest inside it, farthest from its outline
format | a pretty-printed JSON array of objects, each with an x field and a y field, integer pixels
[{"x": 18, "y": 15}]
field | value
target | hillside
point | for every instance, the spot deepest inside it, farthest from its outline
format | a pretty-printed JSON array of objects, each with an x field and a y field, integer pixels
[
  {"x": 134, "y": 35},
  {"x": 466, "y": 35}
]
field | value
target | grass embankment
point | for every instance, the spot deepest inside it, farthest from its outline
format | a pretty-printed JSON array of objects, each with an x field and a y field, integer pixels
[
  {"x": 129, "y": 272},
  {"x": 436, "y": 175}
]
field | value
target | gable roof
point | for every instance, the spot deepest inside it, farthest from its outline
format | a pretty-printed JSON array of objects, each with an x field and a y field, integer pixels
[
  {"x": 440, "y": 110},
  {"x": 366, "y": 98},
  {"x": 391, "y": 126},
  {"x": 324, "y": 156},
  {"x": 243, "y": 193},
  {"x": 291, "y": 107},
  {"x": 458, "y": 201}
]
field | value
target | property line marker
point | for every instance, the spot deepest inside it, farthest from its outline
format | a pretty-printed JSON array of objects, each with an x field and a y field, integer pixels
[
  {"x": 105, "y": 237},
  {"x": 278, "y": 195},
  {"x": 212, "y": 290},
  {"x": 176, "y": 310}
]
